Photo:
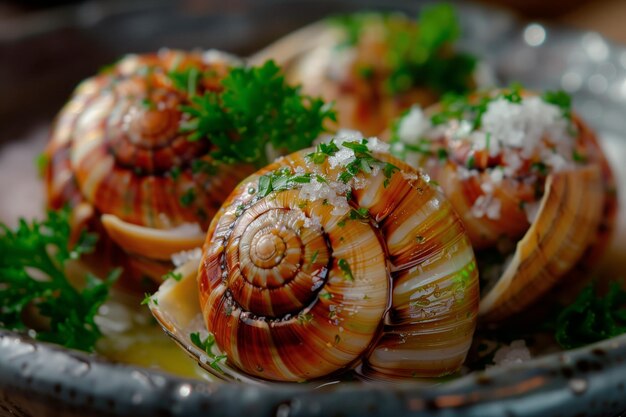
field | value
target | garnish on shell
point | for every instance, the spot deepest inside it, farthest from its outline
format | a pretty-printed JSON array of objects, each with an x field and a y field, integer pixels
[
  {"x": 528, "y": 178},
  {"x": 156, "y": 142},
  {"x": 318, "y": 275}
]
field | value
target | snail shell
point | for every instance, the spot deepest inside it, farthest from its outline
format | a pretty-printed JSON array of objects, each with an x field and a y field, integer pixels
[
  {"x": 356, "y": 77},
  {"x": 116, "y": 151},
  {"x": 542, "y": 192},
  {"x": 294, "y": 289}
]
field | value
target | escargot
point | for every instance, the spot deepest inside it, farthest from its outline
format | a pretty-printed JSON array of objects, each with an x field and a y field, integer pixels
[
  {"x": 528, "y": 178},
  {"x": 118, "y": 156},
  {"x": 375, "y": 65},
  {"x": 147, "y": 150},
  {"x": 332, "y": 258}
]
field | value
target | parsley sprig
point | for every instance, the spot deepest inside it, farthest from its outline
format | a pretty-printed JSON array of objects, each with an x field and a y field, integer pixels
[
  {"x": 284, "y": 179},
  {"x": 418, "y": 54},
  {"x": 255, "y": 108},
  {"x": 33, "y": 259},
  {"x": 364, "y": 161},
  {"x": 591, "y": 317},
  {"x": 207, "y": 346}
]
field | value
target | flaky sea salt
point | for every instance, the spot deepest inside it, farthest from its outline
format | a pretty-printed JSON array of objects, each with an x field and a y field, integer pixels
[
  {"x": 413, "y": 125},
  {"x": 517, "y": 352},
  {"x": 523, "y": 125},
  {"x": 332, "y": 191},
  {"x": 180, "y": 258},
  {"x": 486, "y": 206}
]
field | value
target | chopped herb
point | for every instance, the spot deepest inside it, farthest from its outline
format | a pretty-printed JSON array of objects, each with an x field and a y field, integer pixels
[
  {"x": 388, "y": 170},
  {"x": 215, "y": 363},
  {"x": 257, "y": 107},
  {"x": 33, "y": 273},
  {"x": 188, "y": 197},
  {"x": 349, "y": 194},
  {"x": 540, "y": 168},
  {"x": 186, "y": 80},
  {"x": 420, "y": 239},
  {"x": 148, "y": 103},
  {"x": 325, "y": 202},
  {"x": 304, "y": 318},
  {"x": 281, "y": 179},
  {"x": 359, "y": 214},
  {"x": 366, "y": 73},
  {"x": 176, "y": 276},
  {"x": 513, "y": 93},
  {"x": 322, "y": 152},
  {"x": 341, "y": 223},
  {"x": 591, "y": 318},
  {"x": 337, "y": 339},
  {"x": 442, "y": 154},
  {"x": 202, "y": 166},
  {"x": 146, "y": 299},
  {"x": 175, "y": 172},
  {"x": 326, "y": 296},
  {"x": 364, "y": 161},
  {"x": 487, "y": 141},
  {"x": 578, "y": 157},
  {"x": 345, "y": 269},
  {"x": 314, "y": 256},
  {"x": 471, "y": 162},
  {"x": 207, "y": 346},
  {"x": 560, "y": 99},
  {"x": 42, "y": 162}
]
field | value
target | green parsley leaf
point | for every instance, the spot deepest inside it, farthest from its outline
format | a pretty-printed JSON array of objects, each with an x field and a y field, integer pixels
[
  {"x": 281, "y": 179},
  {"x": 33, "y": 259},
  {"x": 359, "y": 214},
  {"x": 176, "y": 276},
  {"x": 323, "y": 151},
  {"x": 591, "y": 318},
  {"x": 188, "y": 197},
  {"x": 42, "y": 162},
  {"x": 345, "y": 269},
  {"x": 256, "y": 107},
  {"x": 560, "y": 99}
]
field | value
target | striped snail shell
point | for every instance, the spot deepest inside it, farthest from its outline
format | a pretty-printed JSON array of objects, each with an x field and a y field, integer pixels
[
  {"x": 530, "y": 181},
  {"x": 355, "y": 61},
  {"x": 118, "y": 156},
  {"x": 320, "y": 262}
]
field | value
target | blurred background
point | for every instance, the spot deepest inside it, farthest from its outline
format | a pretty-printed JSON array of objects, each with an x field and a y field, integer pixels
[
  {"x": 47, "y": 47},
  {"x": 604, "y": 16}
]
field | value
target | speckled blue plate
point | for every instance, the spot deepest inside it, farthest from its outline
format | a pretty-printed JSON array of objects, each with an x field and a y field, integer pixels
[{"x": 43, "y": 56}]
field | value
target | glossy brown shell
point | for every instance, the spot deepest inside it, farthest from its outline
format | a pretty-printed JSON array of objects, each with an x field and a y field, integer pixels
[
  {"x": 117, "y": 149},
  {"x": 275, "y": 293}
]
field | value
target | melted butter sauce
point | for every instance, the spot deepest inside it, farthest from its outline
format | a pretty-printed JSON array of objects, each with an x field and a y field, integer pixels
[{"x": 132, "y": 336}]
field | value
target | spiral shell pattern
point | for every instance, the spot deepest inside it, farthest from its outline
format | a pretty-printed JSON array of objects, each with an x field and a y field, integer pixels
[
  {"x": 117, "y": 144},
  {"x": 293, "y": 288}
]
